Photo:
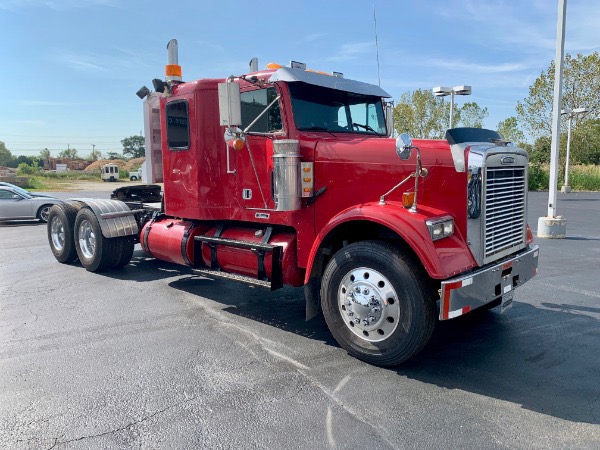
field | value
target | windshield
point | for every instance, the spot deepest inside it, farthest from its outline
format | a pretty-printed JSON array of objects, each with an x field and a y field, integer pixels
[
  {"x": 323, "y": 109},
  {"x": 22, "y": 191}
]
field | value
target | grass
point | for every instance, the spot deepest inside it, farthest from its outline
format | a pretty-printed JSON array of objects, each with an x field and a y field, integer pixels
[
  {"x": 581, "y": 177},
  {"x": 55, "y": 181}
]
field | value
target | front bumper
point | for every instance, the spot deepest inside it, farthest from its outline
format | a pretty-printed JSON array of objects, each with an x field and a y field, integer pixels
[{"x": 468, "y": 292}]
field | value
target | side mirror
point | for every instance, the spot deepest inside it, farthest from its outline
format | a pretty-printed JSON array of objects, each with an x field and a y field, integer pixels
[
  {"x": 230, "y": 106},
  {"x": 404, "y": 146},
  {"x": 389, "y": 118},
  {"x": 17, "y": 197}
]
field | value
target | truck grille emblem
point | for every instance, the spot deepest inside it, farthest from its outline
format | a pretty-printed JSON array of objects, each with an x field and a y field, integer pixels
[{"x": 507, "y": 160}]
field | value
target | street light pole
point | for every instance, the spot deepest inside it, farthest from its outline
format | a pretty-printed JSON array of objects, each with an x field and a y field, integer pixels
[
  {"x": 442, "y": 91},
  {"x": 553, "y": 226},
  {"x": 451, "y": 107},
  {"x": 570, "y": 114}
]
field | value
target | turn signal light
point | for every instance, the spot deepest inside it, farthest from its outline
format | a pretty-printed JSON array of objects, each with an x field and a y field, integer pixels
[
  {"x": 236, "y": 144},
  {"x": 408, "y": 199}
]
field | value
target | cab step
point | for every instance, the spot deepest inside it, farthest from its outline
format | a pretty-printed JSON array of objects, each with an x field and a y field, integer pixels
[{"x": 233, "y": 277}]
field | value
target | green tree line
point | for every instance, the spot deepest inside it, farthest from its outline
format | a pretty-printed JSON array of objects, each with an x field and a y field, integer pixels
[{"x": 133, "y": 147}]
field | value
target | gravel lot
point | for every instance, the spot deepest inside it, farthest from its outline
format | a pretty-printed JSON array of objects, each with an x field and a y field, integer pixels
[{"x": 153, "y": 357}]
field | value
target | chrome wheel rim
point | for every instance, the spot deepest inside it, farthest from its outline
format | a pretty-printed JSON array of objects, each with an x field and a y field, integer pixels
[
  {"x": 368, "y": 304},
  {"x": 87, "y": 239},
  {"x": 44, "y": 213},
  {"x": 57, "y": 234}
]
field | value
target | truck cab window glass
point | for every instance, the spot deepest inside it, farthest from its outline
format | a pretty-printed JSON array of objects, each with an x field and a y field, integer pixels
[
  {"x": 323, "y": 109},
  {"x": 178, "y": 133},
  {"x": 255, "y": 102}
]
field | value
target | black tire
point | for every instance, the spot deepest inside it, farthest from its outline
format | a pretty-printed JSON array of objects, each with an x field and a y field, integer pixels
[
  {"x": 61, "y": 220},
  {"x": 96, "y": 253},
  {"x": 390, "y": 296},
  {"x": 123, "y": 251},
  {"x": 43, "y": 213},
  {"x": 133, "y": 178}
]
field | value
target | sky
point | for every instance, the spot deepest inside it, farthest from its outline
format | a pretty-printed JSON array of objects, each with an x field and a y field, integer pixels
[{"x": 70, "y": 68}]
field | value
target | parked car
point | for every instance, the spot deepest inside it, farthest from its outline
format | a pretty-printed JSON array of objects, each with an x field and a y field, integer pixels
[
  {"x": 18, "y": 204},
  {"x": 21, "y": 190}
]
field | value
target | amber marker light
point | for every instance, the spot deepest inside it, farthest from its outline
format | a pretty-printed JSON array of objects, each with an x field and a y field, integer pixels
[
  {"x": 173, "y": 70},
  {"x": 408, "y": 199}
]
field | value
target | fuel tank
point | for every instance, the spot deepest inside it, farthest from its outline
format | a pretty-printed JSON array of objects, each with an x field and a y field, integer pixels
[
  {"x": 245, "y": 261},
  {"x": 170, "y": 239}
]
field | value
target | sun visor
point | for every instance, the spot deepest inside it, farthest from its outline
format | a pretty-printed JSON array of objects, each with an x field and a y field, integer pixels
[{"x": 328, "y": 81}]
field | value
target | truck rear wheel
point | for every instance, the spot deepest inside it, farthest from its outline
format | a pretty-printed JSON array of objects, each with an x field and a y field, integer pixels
[
  {"x": 95, "y": 252},
  {"x": 61, "y": 219},
  {"x": 123, "y": 251},
  {"x": 376, "y": 303}
]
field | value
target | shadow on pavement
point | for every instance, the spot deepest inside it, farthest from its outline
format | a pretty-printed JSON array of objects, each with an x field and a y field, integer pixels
[{"x": 542, "y": 358}]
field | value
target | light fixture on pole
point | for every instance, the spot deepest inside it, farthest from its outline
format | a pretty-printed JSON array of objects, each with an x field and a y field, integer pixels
[
  {"x": 570, "y": 113},
  {"x": 442, "y": 91}
]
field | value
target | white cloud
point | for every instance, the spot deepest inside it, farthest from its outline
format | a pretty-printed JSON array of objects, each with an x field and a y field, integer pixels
[
  {"x": 99, "y": 64},
  {"x": 348, "y": 52}
]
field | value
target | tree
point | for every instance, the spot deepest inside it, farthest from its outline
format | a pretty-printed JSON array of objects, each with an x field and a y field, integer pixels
[
  {"x": 5, "y": 155},
  {"x": 421, "y": 114},
  {"x": 471, "y": 115},
  {"x": 70, "y": 153},
  {"x": 509, "y": 129},
  {"x": 113, "y": 155},
  {"x": 133, "y": 146},
  {"x": 581, "y": 85},
  {"x": 94, "y": 155},
  {"x": 45, "y": 154}
]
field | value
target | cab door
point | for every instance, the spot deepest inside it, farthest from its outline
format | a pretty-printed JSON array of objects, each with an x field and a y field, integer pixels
[{"x": 254, "y": 163}]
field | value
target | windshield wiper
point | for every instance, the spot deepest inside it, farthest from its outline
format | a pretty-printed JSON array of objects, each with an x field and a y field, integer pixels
[
  {"x": 315, "y": 129},
  {"x": 365, "y": 127}
]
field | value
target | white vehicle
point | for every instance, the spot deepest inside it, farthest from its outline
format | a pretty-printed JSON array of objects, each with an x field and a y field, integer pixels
[
  {"x": 109, "y": 172},
  {"x": 136, "y": 175}
]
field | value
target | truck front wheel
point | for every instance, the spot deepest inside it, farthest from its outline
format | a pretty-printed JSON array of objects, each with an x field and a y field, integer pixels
[
  {"x": 95, "y": 252},
  {"x": 376, "y": 303}
]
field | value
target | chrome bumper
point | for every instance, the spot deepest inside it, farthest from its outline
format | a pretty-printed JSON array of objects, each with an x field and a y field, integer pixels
[{"x": 468, "y": 292}]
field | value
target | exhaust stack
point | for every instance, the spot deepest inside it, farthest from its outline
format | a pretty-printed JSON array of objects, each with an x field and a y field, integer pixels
[{"x": 173, "y": 69}]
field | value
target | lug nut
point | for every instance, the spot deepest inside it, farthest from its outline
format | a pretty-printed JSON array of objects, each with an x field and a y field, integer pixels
[
  {"x": 375, "y": 310},
  {"x": 366, "y": 291},
  {"x": 372, "y": 319},
  {"x": 357, "y": 320},
  {"x": 350, "y": 313},
  {"x": 357, "y": 289},
  {"x": 365, "y": 322}
]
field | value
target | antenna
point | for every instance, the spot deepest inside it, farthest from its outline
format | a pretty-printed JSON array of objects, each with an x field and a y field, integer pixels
[{"x": 376, "y": 45}]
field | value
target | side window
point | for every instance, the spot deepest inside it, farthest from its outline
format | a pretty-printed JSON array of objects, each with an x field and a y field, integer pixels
[
  {"x": 6, "y": 194},
  {"x": 255, "y": 102},
  {"x": 178, "y": 132}
]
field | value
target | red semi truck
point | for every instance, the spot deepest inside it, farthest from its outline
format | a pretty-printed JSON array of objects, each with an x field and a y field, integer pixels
[{"x": 287, "y": 176}]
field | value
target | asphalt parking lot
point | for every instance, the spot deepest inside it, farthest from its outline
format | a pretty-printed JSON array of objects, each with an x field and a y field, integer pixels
[{"x": 153, "y": 357}]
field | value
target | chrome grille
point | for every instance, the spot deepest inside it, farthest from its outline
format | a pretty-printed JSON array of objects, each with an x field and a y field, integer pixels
[{"x": 505, "y": 209}]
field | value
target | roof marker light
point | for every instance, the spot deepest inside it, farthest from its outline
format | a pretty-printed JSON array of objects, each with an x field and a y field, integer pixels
[{"x": 297, "y": 65}]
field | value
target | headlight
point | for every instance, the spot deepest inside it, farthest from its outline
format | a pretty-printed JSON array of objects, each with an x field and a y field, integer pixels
[{"x": 440, "y": 228}]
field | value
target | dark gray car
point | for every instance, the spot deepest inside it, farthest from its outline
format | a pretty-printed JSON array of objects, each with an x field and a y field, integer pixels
[{"x": 18, "y": 204}]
